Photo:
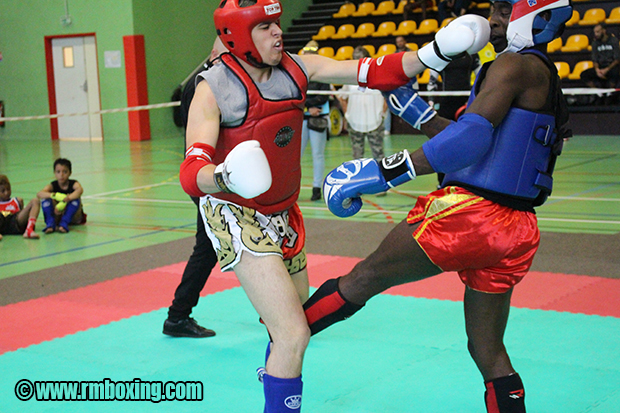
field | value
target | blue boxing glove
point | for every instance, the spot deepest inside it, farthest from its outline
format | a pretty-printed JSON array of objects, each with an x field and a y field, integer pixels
[
  {"x": 344, "y": 185},
  {"x": 406, "y": 103}
]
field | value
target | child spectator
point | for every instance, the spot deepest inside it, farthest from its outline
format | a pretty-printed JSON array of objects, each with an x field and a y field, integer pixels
[
  {"x": 60, "y": 200},
  {"x": 14, "y": 218}
]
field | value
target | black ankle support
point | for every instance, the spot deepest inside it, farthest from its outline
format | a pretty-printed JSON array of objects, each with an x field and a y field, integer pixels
[{"x": 505, "y": 395}]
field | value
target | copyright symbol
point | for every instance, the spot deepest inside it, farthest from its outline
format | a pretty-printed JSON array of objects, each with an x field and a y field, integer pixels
[{"x": 24, "y": 390}]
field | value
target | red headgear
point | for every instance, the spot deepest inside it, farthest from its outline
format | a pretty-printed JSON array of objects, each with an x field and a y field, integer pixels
[{"x": 234, "y": 26}]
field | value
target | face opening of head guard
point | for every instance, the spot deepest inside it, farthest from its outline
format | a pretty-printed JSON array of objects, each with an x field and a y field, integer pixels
[
  {"x": 527, "y": 27},
  {"x": 234, "y": 26}
]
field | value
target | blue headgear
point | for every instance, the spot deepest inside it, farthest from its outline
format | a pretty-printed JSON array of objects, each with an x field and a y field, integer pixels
[{"x": 527, "y": 28}]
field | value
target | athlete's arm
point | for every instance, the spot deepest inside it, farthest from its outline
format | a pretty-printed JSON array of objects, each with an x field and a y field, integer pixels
[
  {"x": 203, "y": 127},
  {"x": 513, "y": 79},
  {"x": 325, "y": 70}
]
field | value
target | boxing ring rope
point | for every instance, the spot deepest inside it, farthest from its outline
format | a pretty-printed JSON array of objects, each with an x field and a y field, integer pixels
[{"x": 569, "y": 91}]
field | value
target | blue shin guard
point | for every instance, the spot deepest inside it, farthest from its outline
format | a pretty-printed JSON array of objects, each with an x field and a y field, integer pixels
[
  {"x": 70, "y": 210},
  {"x": 48, "y": 213},
  {"x": 282, "y": 395}
]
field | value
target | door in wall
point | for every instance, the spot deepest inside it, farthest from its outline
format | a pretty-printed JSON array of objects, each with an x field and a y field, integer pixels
[{"x": 76, "y": 84}]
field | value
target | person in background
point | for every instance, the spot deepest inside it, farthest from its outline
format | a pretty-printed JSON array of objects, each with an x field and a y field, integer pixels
[
  {"x": 16, "y": 219},
  {"x": 203, "y": 258},
  {"x": 606, "y": 61},
  {"x": 364, "y": 115},
  {"x": 401, "y": 46},
  {"x": 315, "y": 126},
  {"x": 61, "y": 200}
]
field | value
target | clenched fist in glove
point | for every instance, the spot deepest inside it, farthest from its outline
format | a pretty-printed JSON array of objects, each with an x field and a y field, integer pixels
[
  {"x": 468, "y": 33},
  {"x": 344, "y": 185},
  {"x": 245, "y": 171}
]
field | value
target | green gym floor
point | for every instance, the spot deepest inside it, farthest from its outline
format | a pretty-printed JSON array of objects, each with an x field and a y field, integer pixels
[{"x": 90, "y": 305}]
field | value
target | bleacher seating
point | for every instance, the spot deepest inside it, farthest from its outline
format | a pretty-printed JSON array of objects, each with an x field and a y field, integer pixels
[
  {"x": 344, "y": 53},
  {"x": 405, "y": 28},
  {"x": 325, "y": 32},
  {"x": 592, "y": 16},
  {"x": 400, "y": 9},
  {"x": 554, "y": 45},
  {"x": 364, "y": 9},
  {"x": 427, "y": 26},
  {"x": 346, "y": 10},
  {"x": 385, "y": 7},
  {"x": 445, "y": 22},
  {"x": 385, "y": 29},
  {"x": 326, "y": 51},
  {"x": 614, "y": 16},
  {"x": 344, "y": 31},
  {"x": 574, "y": 19},
  {"x": 370, "y": 48},
  {"x": 349, "y": 28},
  {"x": 363, "y": 30},
  {"x": 385, "y": 49},
  {"x": 580, "y": 67},
  {"x": 563, "y": 69},
  {"x": 412, "y": 46},
  {"x": 575, "y": 43},
  {"x": 424, "y": 77}
]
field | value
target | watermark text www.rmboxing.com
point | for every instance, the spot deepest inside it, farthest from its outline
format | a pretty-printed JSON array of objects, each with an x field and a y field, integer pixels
[{"x": 109, "y": 390}]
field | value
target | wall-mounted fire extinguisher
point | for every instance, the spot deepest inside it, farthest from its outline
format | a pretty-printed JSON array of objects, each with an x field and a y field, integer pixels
[{"x": 1, "y": 113}]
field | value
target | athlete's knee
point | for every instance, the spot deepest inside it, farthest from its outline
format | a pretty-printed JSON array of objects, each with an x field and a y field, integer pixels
[{"x": 295, "y": 339}]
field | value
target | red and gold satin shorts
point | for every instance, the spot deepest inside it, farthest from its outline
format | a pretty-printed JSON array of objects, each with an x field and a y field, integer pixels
[{"x": 490, "y": 246}]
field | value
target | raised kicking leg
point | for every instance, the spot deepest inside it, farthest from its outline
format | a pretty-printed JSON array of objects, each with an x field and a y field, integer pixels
[{"x": 398, "y": 260}]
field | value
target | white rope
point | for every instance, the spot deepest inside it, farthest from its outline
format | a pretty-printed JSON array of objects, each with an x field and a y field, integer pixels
[
  {"x": 100, "y": 112},
  {"x": 570, "y": 91}
]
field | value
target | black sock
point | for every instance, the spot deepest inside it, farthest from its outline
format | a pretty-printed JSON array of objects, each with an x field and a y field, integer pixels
[
  {"x": 505, "y": 395},
  {"x": 327, "y": 306}
]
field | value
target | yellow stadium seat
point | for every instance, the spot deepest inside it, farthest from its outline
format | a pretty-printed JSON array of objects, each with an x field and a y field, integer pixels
[
  {"x": 412, "y": 46},
  {"x": 384, "y": 8},
  {"x": 614, "y": 16},
  {"x": 345, "y": 11},
  {"x": 400, "y": 9},
  {"x": 427, "y": 26},
  {"x": 563, "y": 69},
  {"x": 580, "y": 67},
  {"x": 576, "y": 43},
  {"x": 344, "y": 53},
  {"x": 325, "y": 32},
  {"x": 445, "y": 22},
  {"x": 592, "y": 17},
  {"x": 424, "y": 77},
  {"x": 483, "y": 5},
  {"x": 554, "y": 45},
  {"x": 364, "y": 9},
  {"x": 326, "y": 51},
  {"x": 405, "y": 27},
  {"x": 385, "y": 29},
  {"x": 370, "y": 48},
  {"x": 574, "y": 19},
  {"x": 344, "y": 31},
  {"x": 385, "y": 49},
  {"x": 364, "y": 30}
]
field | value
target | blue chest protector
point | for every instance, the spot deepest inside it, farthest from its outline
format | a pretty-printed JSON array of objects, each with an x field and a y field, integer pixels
[{"x": 522, "y": 155}]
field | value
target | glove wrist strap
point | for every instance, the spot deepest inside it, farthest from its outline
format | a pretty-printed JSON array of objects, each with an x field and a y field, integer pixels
[
  {"x": 220, "y": 177},
  {"x": 397, "y": 169}
]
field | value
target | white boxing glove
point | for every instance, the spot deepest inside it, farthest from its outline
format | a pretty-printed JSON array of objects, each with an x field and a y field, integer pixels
[
  {"x": 245, "y": 171},
  {"x": 468, "y": 33}
]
